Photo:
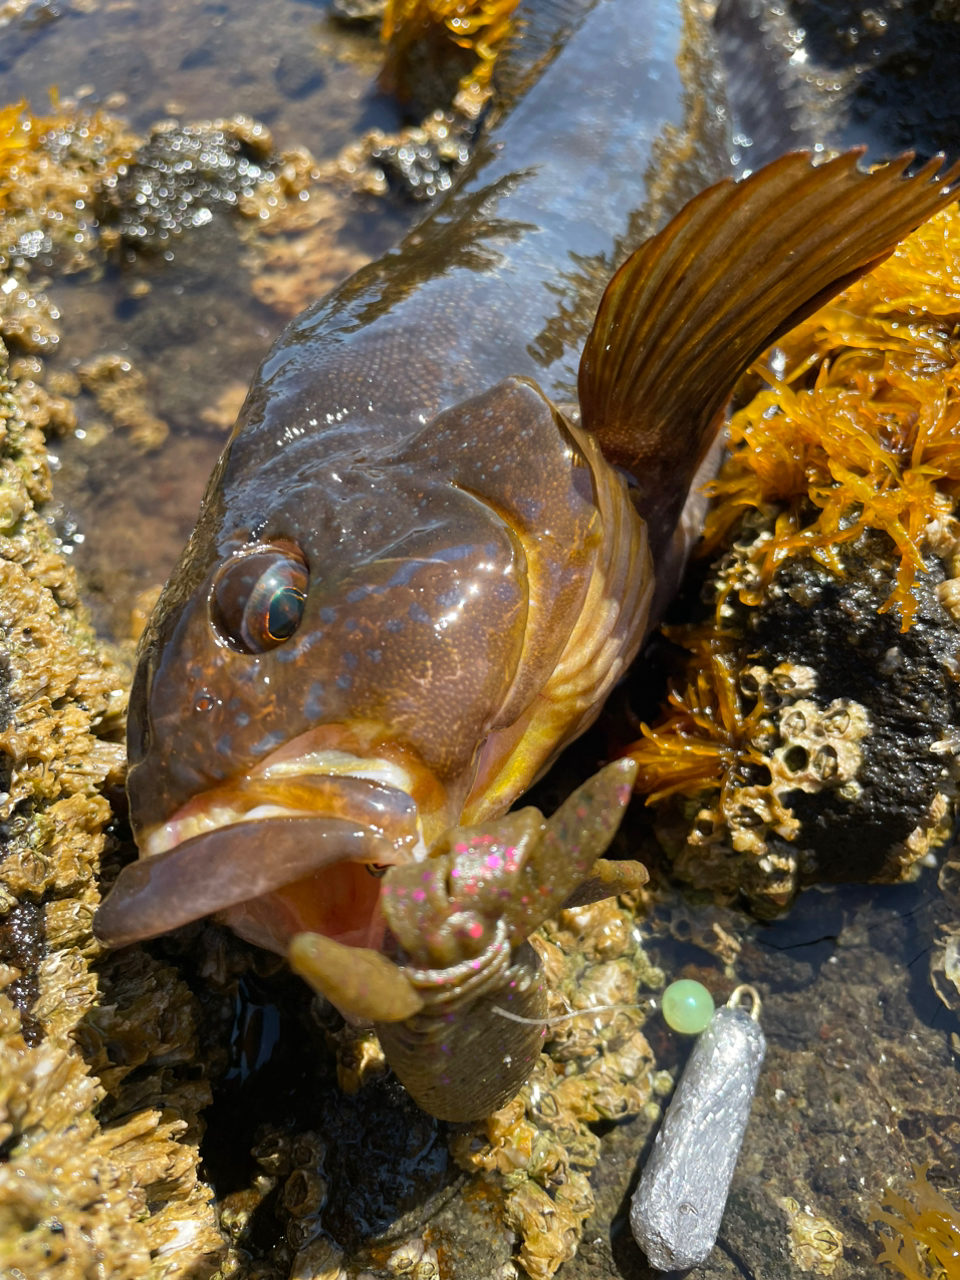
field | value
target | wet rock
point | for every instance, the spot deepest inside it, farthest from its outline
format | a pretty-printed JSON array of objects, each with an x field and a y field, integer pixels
[
  {"x": 849, "y": 771},
  {"x": 100, "y": 1094},
  {"x": 359, "y": 11},
  {"x": 183, "y": 173},
  {"x": 299, "y": 73},
  {"x": 880, "y": 73},
  {"x": 856, "y": 1088}
]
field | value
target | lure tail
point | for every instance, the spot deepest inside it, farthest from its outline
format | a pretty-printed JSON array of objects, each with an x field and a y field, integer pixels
[{"x": 740, "y": 265}]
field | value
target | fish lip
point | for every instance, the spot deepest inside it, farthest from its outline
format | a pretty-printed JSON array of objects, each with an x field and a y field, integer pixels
[
  {"x": 225, "y": 867},
  {"x": 333, "y": 783},
  {"x": 299, "y": 812},
  {"x": 243, "y": 849}
]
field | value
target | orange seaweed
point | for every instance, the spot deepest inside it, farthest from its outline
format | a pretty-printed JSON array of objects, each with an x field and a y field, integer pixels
[
  {"x": 703, "y": 730},
  {"x": 860, "y": 425},
  {"x": 478, "y": 26},
  {"x": 926, "y": 1226}
]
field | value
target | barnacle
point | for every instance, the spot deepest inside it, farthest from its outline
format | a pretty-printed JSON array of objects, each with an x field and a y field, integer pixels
[
  {"x": 537, "y": 1151},
  {"x": 100, "y": 1091},
  {"x": 478, "y": 27},
  {"x": 926, "y": 1240},
  {"x": 52, "y": 168}
]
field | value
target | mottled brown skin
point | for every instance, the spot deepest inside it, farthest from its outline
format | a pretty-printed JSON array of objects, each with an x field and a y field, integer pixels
[
  {"x": 342, "y": 448},
  {"x": 464, "y": 574}
]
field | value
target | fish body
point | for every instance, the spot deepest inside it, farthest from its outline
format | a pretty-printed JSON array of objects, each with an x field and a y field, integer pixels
[
  {"x": 432, "y": 543},
  {"x": 479, "y": 576}
]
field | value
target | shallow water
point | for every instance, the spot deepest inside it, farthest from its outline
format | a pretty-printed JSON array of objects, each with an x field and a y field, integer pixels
[
  {"x": 860, "y": 1078},
  {"x": 199, "y": 331}
]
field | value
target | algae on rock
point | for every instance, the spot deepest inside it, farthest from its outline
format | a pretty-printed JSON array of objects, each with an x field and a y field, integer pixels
[{"x": 98, "y": 1118}]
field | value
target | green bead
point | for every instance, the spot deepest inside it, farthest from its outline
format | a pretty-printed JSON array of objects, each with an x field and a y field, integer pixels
[{"x": 687, "y": 1006}]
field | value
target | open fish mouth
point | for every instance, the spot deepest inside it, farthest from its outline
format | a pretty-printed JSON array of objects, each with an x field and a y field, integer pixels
[{"x": 297, "y": 844}]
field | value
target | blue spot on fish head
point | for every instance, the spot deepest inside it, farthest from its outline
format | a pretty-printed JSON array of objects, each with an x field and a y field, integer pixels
[{"x": 316, "y": 702}]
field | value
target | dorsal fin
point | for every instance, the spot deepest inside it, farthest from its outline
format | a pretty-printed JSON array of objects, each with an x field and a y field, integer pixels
[{"x": 740, "y": 265}]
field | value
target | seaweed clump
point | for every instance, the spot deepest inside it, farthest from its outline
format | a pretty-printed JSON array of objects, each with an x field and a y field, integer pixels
[
  {"x": 858, "y": 427},
  {"x": 810, "y": 735},
  {"x": 926, "y": 1227},
  {"x": 52, "y": 168},
  {"x": 440, "y": 56},
  {"x": 444, "y": 50}
]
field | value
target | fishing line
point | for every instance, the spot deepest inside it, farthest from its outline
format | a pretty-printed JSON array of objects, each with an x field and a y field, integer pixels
[{"x": 565, "y": 1017}]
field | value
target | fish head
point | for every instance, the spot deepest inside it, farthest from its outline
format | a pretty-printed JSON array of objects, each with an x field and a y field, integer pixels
[{"x": 317, "y": 682}]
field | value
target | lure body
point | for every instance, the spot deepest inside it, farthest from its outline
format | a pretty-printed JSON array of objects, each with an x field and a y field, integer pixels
[{"x": 677, "y": 1207}]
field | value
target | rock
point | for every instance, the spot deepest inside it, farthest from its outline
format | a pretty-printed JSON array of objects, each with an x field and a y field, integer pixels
[{"x": 100, "y": 1097}]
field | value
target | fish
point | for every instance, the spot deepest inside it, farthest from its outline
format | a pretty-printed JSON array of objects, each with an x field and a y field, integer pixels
[{"x": 448, "y": 515}]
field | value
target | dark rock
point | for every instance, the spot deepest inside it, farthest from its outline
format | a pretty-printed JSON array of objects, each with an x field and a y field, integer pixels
[{"x": 299, "y": 73}]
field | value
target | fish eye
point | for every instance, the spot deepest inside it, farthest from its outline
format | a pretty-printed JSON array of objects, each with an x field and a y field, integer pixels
[{"x": 259, "y": 597}]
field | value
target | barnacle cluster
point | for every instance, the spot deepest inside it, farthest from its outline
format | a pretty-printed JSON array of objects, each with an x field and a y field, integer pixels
[
  {"x": 100, "y": 1097},
  {"x": 51, "y": 171},
  {"x": 182, "y": 173},
  {"x": 539, "y": 1149},
  {"x": 77, "y": 186},
  {"x": 821, "y": 689},
  {"x": 925, "y": 1244},
  {"x": 815, "y": 1243}
]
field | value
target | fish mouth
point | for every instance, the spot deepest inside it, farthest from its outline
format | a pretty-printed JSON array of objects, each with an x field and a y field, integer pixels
[{"x": 297, "y": 844}]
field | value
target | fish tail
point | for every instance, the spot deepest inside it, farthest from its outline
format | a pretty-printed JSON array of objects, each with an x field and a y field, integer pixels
[{"x": 738, "y": 267}]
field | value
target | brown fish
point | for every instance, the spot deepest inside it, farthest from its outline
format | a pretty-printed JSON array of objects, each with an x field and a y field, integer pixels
[{"x": 419, "y": 569}]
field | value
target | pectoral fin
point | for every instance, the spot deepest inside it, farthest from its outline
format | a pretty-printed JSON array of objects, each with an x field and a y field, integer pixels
[
  {"x": 740, "y": 265},
  {"x": 360, "y": 982}
]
